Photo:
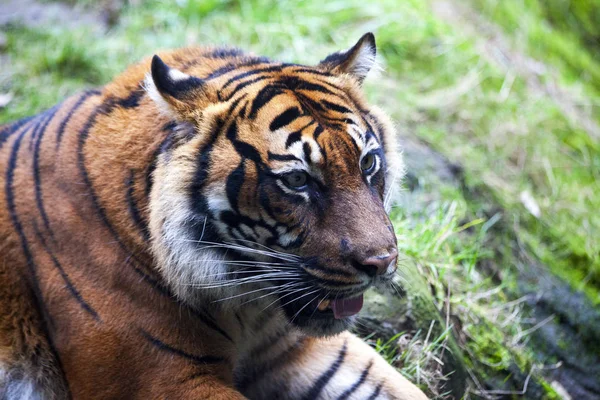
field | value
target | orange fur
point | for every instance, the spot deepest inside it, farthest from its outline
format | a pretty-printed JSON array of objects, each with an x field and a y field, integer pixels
[{"x": 87, "y": 311}]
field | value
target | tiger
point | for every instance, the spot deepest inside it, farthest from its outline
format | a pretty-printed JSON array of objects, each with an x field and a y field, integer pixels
[{"x": 202, "y": 227}]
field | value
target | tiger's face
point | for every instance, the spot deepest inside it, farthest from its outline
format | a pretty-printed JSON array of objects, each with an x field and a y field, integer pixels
[{"x": 274, "y": 186}]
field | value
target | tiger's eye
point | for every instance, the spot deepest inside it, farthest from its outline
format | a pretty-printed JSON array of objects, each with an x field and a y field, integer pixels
[
  {"x": 296, "y": 179},
  {"x": 367, "y": 163}
]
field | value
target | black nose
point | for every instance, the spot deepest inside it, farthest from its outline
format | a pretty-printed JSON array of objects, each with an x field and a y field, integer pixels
[{"x": 376, "y": 265}]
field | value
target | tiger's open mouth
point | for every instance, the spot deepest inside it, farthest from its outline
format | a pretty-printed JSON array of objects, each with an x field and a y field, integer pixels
[
  {"x": 321, "y": 317},
  {"x": 340, "y": 308}
]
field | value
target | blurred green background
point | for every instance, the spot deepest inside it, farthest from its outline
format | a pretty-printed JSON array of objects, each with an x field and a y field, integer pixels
[{"x": 498, "y": 108}]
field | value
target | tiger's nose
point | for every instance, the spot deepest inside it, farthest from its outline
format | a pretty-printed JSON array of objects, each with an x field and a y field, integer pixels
[{"x": 377, "y": 265}]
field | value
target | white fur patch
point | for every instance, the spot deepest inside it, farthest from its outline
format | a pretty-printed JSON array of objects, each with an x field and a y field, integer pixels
[
  {"x": 150, "y": 87},
  {"x": 177, "y": 75},
  {"x": 364, "y": 61},
  {"x": 197, "y": 272},
  {"x": 17, "y": 389}
]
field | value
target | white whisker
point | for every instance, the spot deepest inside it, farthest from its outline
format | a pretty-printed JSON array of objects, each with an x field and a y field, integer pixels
[
  {"x": 289, "y": 294},
  {"x": 300, "y": 310},
  {"x": 241, "y": 281},
  {"x": 253, "y": 271},
  {"x": 304, "y": 295},
  {"x": 270, "y": 252},
  {"x": 283, "y": 288},
  {"x": 245, "y": 293}
]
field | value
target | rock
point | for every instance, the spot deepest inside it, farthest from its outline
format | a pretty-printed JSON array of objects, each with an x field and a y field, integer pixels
[{"x": 571, "y": 337}]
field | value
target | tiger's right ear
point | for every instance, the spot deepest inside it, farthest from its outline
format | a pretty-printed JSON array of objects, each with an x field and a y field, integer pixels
[
  {"x": 176, "y": 93},
  {"x": 356, "y": 61}
]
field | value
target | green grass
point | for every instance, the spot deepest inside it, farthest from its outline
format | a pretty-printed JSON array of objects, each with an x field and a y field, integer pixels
[
  {"x": 562, "y": 33},
  {"x": 510, "y": 138},
  {"x": 417, "y": 356}
]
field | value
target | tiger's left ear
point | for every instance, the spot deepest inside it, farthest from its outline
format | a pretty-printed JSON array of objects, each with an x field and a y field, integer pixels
[
  {"x": 176, "y": 93},
  {"x": 357, "y": 61}
]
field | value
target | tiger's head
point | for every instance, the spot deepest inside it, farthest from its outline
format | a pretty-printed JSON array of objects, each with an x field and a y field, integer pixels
[{"x": 274, "y": 185}]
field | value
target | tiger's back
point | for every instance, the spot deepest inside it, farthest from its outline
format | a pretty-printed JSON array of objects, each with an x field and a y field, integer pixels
[
  {"x": 85, "y": 312},
  {"x": 59, "y": 231}
]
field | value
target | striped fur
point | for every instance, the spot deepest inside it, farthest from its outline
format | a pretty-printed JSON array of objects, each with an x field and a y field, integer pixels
[{"x": 155, "y": 242}]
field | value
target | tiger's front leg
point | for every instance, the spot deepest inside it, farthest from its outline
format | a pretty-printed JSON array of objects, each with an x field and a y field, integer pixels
[{"x": 339, "y": 367}]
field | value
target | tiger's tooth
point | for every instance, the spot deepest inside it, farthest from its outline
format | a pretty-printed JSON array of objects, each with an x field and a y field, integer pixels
[{"x": 323, "y": 305}]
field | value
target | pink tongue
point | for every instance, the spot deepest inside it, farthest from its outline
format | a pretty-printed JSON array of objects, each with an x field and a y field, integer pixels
[{"x": 346, "y": 307}]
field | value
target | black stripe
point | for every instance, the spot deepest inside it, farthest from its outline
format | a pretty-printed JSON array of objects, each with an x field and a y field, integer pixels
[
  {"x": 376, "y": 392},
  {"x": 8, "y": 130},
  {"x": 264, "y": 96},
  {"x": 158, "y": 286},
  {"x": 134, "y": 211},
  {"x": 83, "y": 135},
  {"x": 164, "y": 146},
  {"x": 37, "y": 294},
  {"x": 318, "y": 111},
  {"x": 314, "y": 87},
  {"x": 199, "y": 360},
  {"x": 313, "y": 71},
  {"x": 43, "y": 119},
  {"x": 297, "y": 135},
  {"x": 379, "y": 132},
  {"x": 267, "y": 344},
  {"x": 356, "y": 385},
  {"x": 11, "y": 128},
  {"x": 36, "y": 171},
  {"x": 282, "y": 157},
  {"x": 203, "y": 164},
  {"x": 307, "y": 152},
  {"x": 133, "y": 100},
  {"x": 293, "y": 138},
  {"x": 241, "y": 86},
  {"x": 165, "y": 291},
  {"x": 244, "y": 149},
  {"x": 335, "y": 107},
  {"x": 318, "y": 130},
  {"x": 339, "y": 90},
  {"x": 34, "y": 126},
  {"x": 69, "y": 284},
  {"x": 234, "y": 184},
  {"x": 211, "y": 323},
  {"x": 320, "y": 384},
  {"x": 235, "y": 65},
  {"x": 240, "y": 321},
  {"x": 65, "y": 121},
  {"x": 272, "y": 68},
  {"x": 198, "y": 201},
  {"x": 259, "y": 372},
  {"x": 285, "y": 118},
  {"x": 81, "y": 162}
]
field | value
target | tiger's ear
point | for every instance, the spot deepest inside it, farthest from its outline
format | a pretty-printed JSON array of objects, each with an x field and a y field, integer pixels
[
  {"x": 176, "y": 93},
  {"x": 357, "y": 61}
]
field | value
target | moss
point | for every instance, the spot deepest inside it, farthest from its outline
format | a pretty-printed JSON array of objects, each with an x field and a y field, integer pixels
[
  {"x": 550, "y": 393},
  {"x": 488, "y": 348}
]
